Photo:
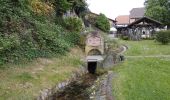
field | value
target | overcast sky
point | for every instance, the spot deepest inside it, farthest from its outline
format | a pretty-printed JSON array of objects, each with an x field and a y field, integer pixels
[{"x": 113, "y": 8}]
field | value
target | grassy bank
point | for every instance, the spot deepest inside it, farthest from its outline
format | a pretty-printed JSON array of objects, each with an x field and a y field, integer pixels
[
  {"x": 23, "y": 82},
  {"x": 143, "y": 78},
  {"x": 146, "y": 47}
]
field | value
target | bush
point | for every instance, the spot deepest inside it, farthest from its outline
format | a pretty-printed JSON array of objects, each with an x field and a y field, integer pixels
[
  {"x": 124, "y": 37},
  {"x": 163, "y": 37},
  {"x": 73, "y": 38},
  {"x": 73, "y": 24},
  {"x": 103, "y": 23},
  {"x": 27, "y": 32}
]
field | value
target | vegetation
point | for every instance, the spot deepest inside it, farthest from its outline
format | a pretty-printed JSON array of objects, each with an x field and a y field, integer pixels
[
  {"x": 29, "y": 29},
  {"x": 143, "y": 78},
  {"x": 73, "y": 24},
  {"x": 102, "y": 23},
  {"x": 145, "y": 48},
  {"x": 163, "y": 37},
  {"x": 62, "y": 6},
  {"x": 159, "y": 10},
  {"x": 30, "y": 32},
  {"x": 124, "y": 37},
  {"x": 24, "y": 82}
]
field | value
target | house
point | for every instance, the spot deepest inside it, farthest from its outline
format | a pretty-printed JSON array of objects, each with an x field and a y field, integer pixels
[
  {"x": 137, "y": 25},
  {"x": 122, "y": 20},
  {"x": 136, "y": 14},
  {"x": 112, "y": 22},
  {"x": 143, "y": 28}
]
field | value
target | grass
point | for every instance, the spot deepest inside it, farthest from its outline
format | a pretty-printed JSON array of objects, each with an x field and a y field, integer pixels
[
  {"x": 24, "y": 82},
  {"x": 143, "y": 78},
  {"x": 146, "y": 47}
]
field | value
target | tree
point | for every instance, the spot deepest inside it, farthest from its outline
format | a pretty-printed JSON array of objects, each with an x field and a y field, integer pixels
[
  {"x": 80, "y": 7},
  {"x": 102, "y": 23},
  {"x": 62, "y": 6},
  {"x": 159, "y": 10}
]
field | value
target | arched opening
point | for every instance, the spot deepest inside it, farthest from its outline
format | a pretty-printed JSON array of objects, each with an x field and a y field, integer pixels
[
  {"x": 92, "y": 67},
  {"x": 94, "y": 52},
  {"x": 94, "y": 56}
]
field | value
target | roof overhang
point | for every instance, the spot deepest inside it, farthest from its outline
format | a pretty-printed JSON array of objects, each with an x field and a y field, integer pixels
[
  {"x": 147, "y": 20},
  {"x": 94, "y": 58}
]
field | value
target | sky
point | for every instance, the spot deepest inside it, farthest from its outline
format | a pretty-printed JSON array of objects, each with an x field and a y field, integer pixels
[{"x": 113, "y": 8}]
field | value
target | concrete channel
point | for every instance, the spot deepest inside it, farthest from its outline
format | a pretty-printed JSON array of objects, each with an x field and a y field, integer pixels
[
  {"x": 83, "y": 87},
  {"x": 87, "y": 84}
]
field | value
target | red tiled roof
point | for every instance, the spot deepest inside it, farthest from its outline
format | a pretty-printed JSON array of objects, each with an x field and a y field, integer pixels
[{"x": 123, "y": 19}]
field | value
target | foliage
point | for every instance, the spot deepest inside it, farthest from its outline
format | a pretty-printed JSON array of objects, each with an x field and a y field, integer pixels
[
  {"x": 62, "y": 6},
  {"x": 27, "y": 32},
  {"x": 80, "y": 7},
  {"x": 73, "y": 38},
  {"x": 103, "y": 23},
  {"x": 159, "y": 10},
  {"x": 124, "y": 37},
  {"x": 163, "y": 37},
  {"x": 73, "y": 24},
  {"x": 41, "y": 8},
  {"x": 50, "y": 38},
  {"x": 91, "y": 19}
]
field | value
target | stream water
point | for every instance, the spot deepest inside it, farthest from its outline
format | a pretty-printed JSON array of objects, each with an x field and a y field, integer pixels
[{"x": 77, "y": 90}]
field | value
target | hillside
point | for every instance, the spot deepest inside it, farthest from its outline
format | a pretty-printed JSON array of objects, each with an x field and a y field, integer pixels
[
  {"x": 38, "y": 47},
  {"x": 30, "y": 29}
]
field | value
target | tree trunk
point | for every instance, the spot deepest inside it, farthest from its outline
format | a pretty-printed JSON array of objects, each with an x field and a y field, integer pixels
[{"x": 168, "y": 27}]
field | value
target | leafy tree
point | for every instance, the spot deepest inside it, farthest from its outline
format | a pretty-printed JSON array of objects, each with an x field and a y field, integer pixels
[
  {"x": 159, "y": 10},
  {"x": 102, "y": 23},
  {"x": 73, "y": 24},
  {"x": 62, "y": 6},
  {"x": 80, "y": 7}
]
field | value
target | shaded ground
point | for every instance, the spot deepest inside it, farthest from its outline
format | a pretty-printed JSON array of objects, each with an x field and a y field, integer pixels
[{"x": 77, "y": 90}]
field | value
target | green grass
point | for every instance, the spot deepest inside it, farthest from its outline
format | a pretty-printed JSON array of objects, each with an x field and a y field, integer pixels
[
  {"x": 24, "y": 82},
  {"x": 143, "y": 78},
  {"x": 146, "y": 47}
]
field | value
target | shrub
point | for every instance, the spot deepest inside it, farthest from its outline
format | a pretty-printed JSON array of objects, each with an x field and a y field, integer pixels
[
  {"x": 73, "y": 24},
  {"x": 73, "y": 38},
  {"x": 51, "y": 39},
  {"x": 124, "y": 37},
  {"x": 103, "y": 23},
  {"x": 163, "y": 37},
  {"x": 27, "y": 32}
]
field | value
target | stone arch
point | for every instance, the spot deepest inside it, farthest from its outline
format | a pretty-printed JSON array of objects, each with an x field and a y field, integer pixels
[{"x": 94, "y": 52}]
